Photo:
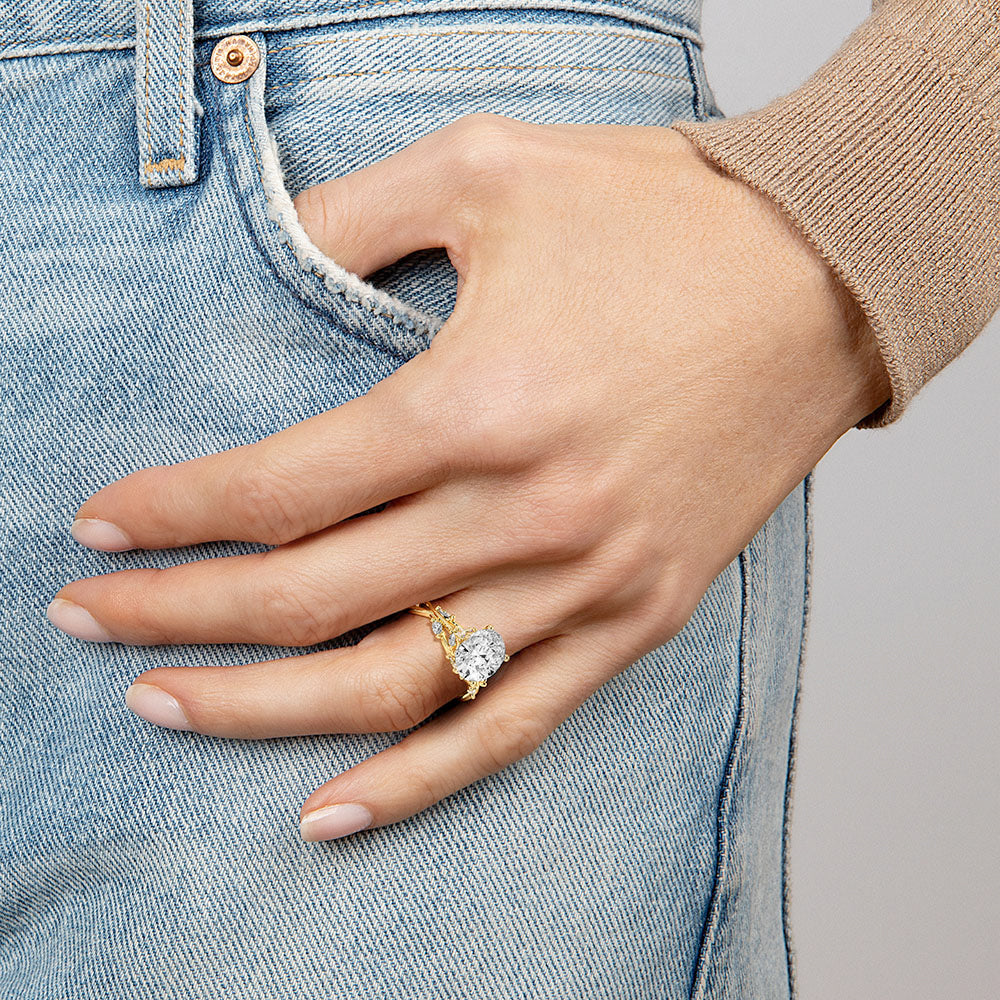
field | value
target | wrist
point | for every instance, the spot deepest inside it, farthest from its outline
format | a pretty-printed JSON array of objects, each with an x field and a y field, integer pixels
[{"x": 826, "y": 331}]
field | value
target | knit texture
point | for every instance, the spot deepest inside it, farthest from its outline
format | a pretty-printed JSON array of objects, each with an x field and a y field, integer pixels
[{"x": 888, "y": 161}]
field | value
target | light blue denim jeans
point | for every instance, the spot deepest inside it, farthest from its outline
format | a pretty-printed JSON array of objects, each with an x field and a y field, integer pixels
[{"x": 160, "y": 302}]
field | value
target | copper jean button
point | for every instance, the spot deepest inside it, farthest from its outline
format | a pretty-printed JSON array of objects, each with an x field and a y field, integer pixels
[{"x": 235, "y": 58}]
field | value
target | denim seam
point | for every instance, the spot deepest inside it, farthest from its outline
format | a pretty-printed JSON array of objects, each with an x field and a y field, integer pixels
[
  {"x": 697, "y": 101},
  {"x": 630, "y": 36},
  {"x": 471, "y": 69},
  {"x": 170, "y": 163},
  {"x": 83, "y": 43},
  {"x": 149, "y": 137},
  {"x": 807, "y": 505},
  {"x": 280, "y": 278},
  {"x": 474, "y": 33},
  {"x": 726, "y": 792},
  {"x": 410, "y": 323}
]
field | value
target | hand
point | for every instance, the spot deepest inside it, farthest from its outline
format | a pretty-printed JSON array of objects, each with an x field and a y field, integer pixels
[{"x": 644, "y": 360}]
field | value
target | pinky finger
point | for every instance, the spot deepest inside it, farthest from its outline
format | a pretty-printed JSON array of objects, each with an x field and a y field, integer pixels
[{"x": 511, "y": 717}]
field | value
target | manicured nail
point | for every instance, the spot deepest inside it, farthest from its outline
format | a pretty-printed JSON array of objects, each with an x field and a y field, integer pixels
[
  {"x": 103, "y": 535},
  {"x": 330, "y": 822},
  {"x": 154, "y": 705},
  {"x": 76, "y": 621}
]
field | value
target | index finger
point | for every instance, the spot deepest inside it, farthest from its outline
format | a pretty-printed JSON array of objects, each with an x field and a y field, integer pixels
[{"x": 315, "y": 473}]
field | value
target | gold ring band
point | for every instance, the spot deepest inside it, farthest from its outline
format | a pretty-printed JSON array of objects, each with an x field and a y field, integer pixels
[{"x": 475, "y": 654}]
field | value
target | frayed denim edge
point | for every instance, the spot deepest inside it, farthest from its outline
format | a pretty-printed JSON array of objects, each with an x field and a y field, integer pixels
[{"x": 281, "y": 211}]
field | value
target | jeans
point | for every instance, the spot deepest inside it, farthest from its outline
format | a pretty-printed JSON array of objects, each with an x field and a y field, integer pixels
[{"x": 162, "y": 302}]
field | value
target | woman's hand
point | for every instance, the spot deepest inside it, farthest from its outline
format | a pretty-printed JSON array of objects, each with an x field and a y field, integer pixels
[{"x": 644, "y": 360}]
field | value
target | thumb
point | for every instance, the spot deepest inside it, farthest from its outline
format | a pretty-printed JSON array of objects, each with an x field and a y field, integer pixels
[{"x": 429, "y": 194}]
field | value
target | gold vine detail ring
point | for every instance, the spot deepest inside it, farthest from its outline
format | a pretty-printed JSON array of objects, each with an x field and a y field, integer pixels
[{"x": 475, "y": 654}]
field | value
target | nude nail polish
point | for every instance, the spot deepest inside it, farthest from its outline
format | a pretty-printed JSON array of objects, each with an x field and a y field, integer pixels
[
  {"x": 330, "y": 822},
  {"x": 154, "y": 705},
  {"x": 102, "y": 535},
  {"x": 76, "y": 621}
]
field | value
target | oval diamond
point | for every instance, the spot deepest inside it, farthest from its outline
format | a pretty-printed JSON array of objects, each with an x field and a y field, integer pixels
[{"x": 479, "y": 656}]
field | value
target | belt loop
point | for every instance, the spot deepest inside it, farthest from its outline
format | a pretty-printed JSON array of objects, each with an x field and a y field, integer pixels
[{"x": 164, "y": 89}]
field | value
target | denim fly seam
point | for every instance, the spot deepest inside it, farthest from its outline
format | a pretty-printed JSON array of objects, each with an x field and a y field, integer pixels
[{"x": 164, "y": 93}]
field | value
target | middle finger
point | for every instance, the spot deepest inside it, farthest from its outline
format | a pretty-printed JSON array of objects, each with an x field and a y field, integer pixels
[{"x": 297, "y": 594}]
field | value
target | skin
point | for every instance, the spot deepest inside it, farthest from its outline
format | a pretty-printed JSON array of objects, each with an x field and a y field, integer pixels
[{"x": 644, "y": 360}]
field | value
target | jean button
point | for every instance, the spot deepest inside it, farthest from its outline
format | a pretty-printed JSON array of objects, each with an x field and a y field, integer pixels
[{"x": 235, "y": 59}]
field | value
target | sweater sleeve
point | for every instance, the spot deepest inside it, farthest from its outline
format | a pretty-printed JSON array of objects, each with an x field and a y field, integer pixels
[{"x": 888, "y": 161}]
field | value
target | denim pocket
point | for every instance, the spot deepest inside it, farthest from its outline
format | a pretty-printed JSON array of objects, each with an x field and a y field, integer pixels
[
  {"x": 351, "y": 304},
  {"x": 333, "y": 99}
]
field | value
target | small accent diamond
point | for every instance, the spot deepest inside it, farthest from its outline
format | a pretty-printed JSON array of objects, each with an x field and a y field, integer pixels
[{"x": 436, "y": 628}]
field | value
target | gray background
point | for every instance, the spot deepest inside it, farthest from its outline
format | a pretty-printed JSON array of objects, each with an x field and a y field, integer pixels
[{"x": 895, "y": 844}]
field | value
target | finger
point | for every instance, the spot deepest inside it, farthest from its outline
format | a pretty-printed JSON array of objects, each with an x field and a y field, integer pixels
[
  {"x": 297, "y": 481},
  {"x": 425, "y": 195},
  {"x": 505, "y": 722},
  {"x": 299, "y": 594},
  {"x": 392, "y": 680}
]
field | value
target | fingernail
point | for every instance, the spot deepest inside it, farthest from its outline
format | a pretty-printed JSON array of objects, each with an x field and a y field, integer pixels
[
  {"x": 154, "y": 705},
  {"x": 98, "y": 534},
  {"x": 335, "y": 821},
  {"x": 76, "y": 621}
]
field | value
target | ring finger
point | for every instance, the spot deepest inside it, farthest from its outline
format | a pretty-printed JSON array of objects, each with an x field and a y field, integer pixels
[{"x": 392, "y": 680}]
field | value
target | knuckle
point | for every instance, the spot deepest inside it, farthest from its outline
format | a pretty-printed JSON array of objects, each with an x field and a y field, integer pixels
[
  {"x": 286, "y": 610},
  {"x": 136, "y": 605},
  {"x": 673, "y": 602},
  {"x": 509, "y": 737},
  {"x": 392, "y": 700},
  {"x": 485, "y": 147},
  {"x": 555, "y": 521},
  {"x": 259, "y": 501},
  {"x": 425, "y": 787}
]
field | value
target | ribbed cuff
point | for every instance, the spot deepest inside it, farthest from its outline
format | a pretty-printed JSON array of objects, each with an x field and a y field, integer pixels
[{"x": 888, "y": 161}]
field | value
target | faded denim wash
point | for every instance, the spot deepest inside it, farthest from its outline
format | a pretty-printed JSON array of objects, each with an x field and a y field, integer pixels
[{"x": 151, "y": 316}]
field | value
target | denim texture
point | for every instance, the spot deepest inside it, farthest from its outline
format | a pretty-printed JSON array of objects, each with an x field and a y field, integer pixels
[
  {"x": 638, "y": 853},
  {"x": 164, "y": 89}
]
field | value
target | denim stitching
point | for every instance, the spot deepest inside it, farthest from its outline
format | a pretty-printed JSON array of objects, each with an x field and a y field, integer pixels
[
  {"x": 180, "y": 72},
  {"x": 807, "y": 487},
  {"x": 705, "y": 949},
  {"x": 149, "y": 140},
  {"x": 329, "y": 17},
  {"x": 376, "y": 309},
  {"x": 458, "y": 69},
  {"x": 62, "y": 38},
  {"x": 168, "y": 163},
  {"x": 445, "y": 34}
]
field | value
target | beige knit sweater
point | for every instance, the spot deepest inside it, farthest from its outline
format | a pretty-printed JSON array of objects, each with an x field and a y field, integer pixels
[{"x": 888, "y": 160}]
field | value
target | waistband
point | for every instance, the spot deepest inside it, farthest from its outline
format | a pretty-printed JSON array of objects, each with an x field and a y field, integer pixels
[{"x": 90, "y": 25}]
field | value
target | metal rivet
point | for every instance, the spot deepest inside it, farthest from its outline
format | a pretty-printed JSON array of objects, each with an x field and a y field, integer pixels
[{"x": 235, "y": 59}]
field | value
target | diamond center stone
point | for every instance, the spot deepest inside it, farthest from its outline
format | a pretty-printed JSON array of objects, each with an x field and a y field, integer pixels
[{"x": 478, "y": 657}]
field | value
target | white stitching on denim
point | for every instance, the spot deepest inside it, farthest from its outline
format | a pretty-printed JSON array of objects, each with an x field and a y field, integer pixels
[
  {"x": 473, "y": 69},
  {"x": 351, "y": 39},
  {"x": 340, "y": 281}
]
